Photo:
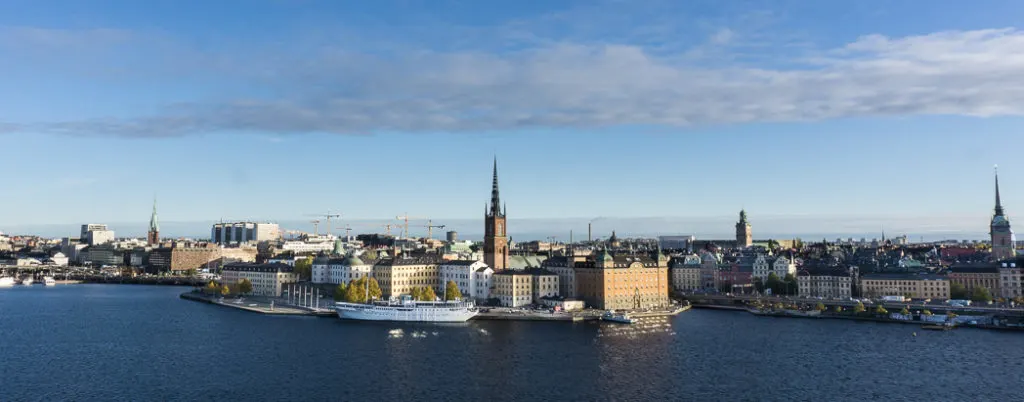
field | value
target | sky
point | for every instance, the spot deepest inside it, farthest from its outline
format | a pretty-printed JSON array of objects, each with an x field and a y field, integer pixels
[{"x": 654, "y": 117}]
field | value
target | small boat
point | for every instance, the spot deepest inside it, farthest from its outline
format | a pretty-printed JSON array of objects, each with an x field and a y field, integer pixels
[
  {"x": 619, "y": 318},
  {"x": 27, "y": 281},
  {"x": 49, "y": 281},
  {"x": 6, "y": 282},
  {"x": 937, "y": 327}
]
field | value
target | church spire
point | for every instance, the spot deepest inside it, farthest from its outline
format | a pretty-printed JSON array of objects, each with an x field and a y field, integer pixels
[
  {"x": 999, "y": 205},
  {"x": 154, "y": 224},
  {"x": 495, "y": 198}
]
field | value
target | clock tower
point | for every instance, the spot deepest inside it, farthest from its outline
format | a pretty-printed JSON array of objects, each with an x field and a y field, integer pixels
[{"x": 495, "y": 238}]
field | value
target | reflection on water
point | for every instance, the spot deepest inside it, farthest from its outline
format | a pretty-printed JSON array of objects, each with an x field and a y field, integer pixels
[{"x": 641, "y": 327}]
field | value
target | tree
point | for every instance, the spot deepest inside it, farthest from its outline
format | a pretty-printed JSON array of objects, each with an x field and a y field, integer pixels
[
  {"x": 838, "y": 309},
  {"x": 212, "y": 288},
  {"x": 820, "y": 307},
  {"x": 758, "y": 285},
  {"x": 339, "y": 292},
  {"x": 772, "y": 244},
  {"x": 375, "y": 292},
  {"x": 451, "y": 291},
  {"x": 369, "y": 255},
  {"x": 355, "y": 293},
  {"x": 778, "y": 306},
  {"x": 191, "y": 272},
  {"x": 428, "y": 294},
  {"x": 951, "y": 315},
  {"x": 790, "y": 284},
  {"x": 417, "y": 293},
  {"x": 859, "y": 308},
  {"x": 774, "y": 284},
  {"x": 304, "y": 268},
  {"x": 905, "y": 311},
  {"x": 957, "y": 291},
  {"x": 926, "y": 312},
  {"x": 981, "y": 294},
  {"x": 244, "y": 286},
  {"x": 225, "y": 290},
  {"x": 881, "y": 310},
  {"x": 1018, "y": 300}
]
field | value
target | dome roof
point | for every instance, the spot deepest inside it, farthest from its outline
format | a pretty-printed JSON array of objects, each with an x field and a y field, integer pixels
[{"x": 353, "y": 261}]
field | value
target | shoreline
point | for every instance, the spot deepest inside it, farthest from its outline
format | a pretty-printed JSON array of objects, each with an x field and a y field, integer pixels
[{"x": 851, "y": 318}]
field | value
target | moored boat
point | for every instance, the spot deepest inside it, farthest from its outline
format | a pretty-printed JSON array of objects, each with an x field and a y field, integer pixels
[
  {"x": 27, "y": 281},
  {"x": 408, "y": 310},
  {"x": 619, "y": 318},
  {"x": 937, "y": 327},
  {"x": 6, "y": 282},
  {"x": 49, "y": 281}
]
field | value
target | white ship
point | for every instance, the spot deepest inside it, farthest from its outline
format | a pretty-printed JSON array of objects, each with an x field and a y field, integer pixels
[
  {"x": 49, "y": 281},
  {"x": 6, "y": 282},
  {"x": 407, "y": 310},
  {"x": 27, "y": 281}
]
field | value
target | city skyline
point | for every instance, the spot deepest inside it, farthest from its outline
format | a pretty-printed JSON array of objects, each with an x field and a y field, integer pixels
[{"x": 678, "y": 112}]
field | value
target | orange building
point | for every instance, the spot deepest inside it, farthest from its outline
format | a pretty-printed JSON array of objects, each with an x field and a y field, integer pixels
[{"x": 625, "y": 282}]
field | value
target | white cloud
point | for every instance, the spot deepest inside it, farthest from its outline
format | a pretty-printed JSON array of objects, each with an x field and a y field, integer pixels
[{"x": 575, "y": 85}]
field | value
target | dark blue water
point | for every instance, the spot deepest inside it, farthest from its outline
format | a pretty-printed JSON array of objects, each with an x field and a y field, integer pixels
[{"x": 122, "y": 342}]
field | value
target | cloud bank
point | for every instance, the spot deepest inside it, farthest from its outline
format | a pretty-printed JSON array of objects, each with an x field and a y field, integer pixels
[{"x": 330, "y": 88}]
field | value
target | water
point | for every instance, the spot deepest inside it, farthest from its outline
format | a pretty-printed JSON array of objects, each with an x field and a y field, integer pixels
[{"x": 122, "y": 342}]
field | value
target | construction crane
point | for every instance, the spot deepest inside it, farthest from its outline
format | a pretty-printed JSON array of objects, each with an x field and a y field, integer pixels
[
  {"x": 405, "y": 218},
  {"x": 387, "y": 226},
  {"x": 348, "y": 231},
  {"x": 316, "y": 227},
  {"x": 430, "y": 228},
  {"x": 327, "y": 218}
]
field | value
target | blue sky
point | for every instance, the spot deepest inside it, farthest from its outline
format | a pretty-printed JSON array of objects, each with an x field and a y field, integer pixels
[{"x": 817, "y": 117}]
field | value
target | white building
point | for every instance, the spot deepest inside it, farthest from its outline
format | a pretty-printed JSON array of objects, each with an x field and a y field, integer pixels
[
  {"x": 685, "y": 273},
  {"x": 93, "y": 234},
  {"x": 483, "y": 280},
  {"x": 339, "y": 270},
  {"x": 244, "y": 232},
  {"x": 303, "y": 247},
  {"x": 462, "y": 273},
  {"x": 266, "y": 279},
  {"x": 765, "y": 265},
  {"x": 825, "y": 282}
]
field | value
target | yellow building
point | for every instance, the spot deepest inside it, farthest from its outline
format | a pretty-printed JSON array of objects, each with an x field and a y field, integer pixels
[
  {"x": 398, "y": 276},
  {"x": 626, "y": 282},
  {"x": 914, "y": 286},
  {"x": 972, "y": 277},
  {"x": 523, "y": 287},
  {"x": 266, "y": 279}
]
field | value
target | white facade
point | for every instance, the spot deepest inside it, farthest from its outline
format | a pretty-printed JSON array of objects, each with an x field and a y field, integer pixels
[
  {"x": 59, "y": 259},
  {"x": 339, "y": 270},
  {"x": 93, "y": 234},
  {"x": 301, "y": 247},
  {"x": 462, "y": 273},
  {"x": 244, "y": 232},
  {"x": 483, "y": 280},
  {"x": 266, "y": 279},
  {"x": 685, "y": 274},
  {"x": 835, "y": 285},
  {"x": 765, "y": 265},
  {"x": 783, "y": 266}
]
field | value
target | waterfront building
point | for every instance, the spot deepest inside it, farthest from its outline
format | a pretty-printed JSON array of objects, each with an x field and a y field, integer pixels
[
  {"x": 975, "y": 276},
  {"x": 339, "y": 270},
  {"x": 483, "y": 284},
  {"x": 153, "y": 236},
  {"x": 743, "y": 233},
  {"x": 826, "y": 282},
  {"x": 184, "y": 256},
  {"x": 765, "y": 265},
  {"x": 1002, "y": 236},
  {"x": 565, "y": 304},
  {"x": 516, "y": 288},
  {"x": 495, "y": 239},
  {"x": 399, "y": 275},
  {"x": 308, "y": 247},
  {"x": 244, "y": 232},
  {"x": 624, "y": 282},
  {"x": 685, "y": 273},
  {"x": 95, "y": 234},
  {"x": 916, "y": 286},
  {"x": 266, "y": 279},
  {"x": 564, "y": 267},
  {"x": 104, "y": 254},
  {"x": 1010, "y": 276},
  {"x": 462, "y": 273},
  {"x": 736, "y": 276},
  {"x": 709, "y": 270}
]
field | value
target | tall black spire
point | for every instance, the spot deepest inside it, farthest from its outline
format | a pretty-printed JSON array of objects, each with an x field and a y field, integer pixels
[
  {"x": 495, "y": 198},
  {"x": 999, "y": 205}
]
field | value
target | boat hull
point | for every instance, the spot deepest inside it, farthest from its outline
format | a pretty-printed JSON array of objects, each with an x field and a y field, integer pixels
[{"x": 362, "y": 312}]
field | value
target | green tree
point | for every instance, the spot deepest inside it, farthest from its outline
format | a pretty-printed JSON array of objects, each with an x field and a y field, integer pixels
[
  {"x": 905, "y": 311},
  {"x": 820, "y": 307},
  {"x": 957, "y": 291},
  {"x": 758, "y": 285},
  {"x": 225, "y": 290},
  {"x": 951, "y": 315},
  {"x": 304, "y": 268},
  {"x": 838, "y": 309},
  {"x": 244, "y": 286},
  {"x": 340, "y": 291},
  {"x": 981, "y": 294},
  {"x": 790, "y": 284},
  {"x": 191, "y": 272},
  {"x": 772, "y": 244},
  {"x": 774, "y": 284},
  {"x": 369, "y": 255},
  {"x": 859, "y": 308},
  {"x": 451, "y": 291},
  {"x": 429, "y": 294},
  {"x": 375, "y": 292},
  {"x": 355, "y": 292},
  {"x": 881, "y": 310},
  {"x": 926, "y": 312}
]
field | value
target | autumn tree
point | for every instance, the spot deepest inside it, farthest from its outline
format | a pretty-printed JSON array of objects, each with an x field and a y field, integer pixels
[
  {"x": 339, "y": 292},
  {"x": 304, "y": 268},
  {"x": 820, "y": 307},
  {"x": 225, "y": 290},
  {"x": 859, "y": 308},
  {"x": 451, "y": 291},
  {"x": 244, "y": 286},
  {"x": 375, "y": 292},
  {"x": 429, "y": 294}
]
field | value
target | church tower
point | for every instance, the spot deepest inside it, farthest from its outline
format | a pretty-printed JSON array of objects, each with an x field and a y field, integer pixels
[
  {"x": 153, "y": 237},
  {"x": 495, "y": 239},
  {"x": 743, "y": 236},
  {"x": 1002, "y": 236}
]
